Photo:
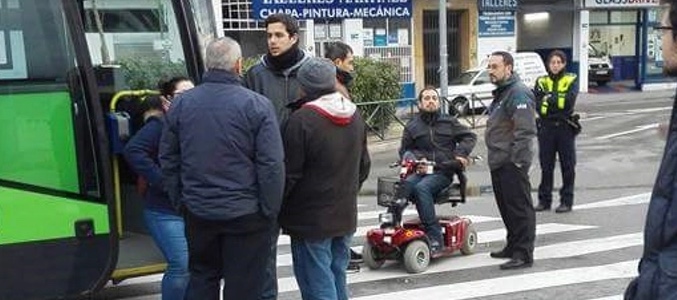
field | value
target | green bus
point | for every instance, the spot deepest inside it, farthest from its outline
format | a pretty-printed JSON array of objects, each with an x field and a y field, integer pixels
[{"x": 70, "y": 217}]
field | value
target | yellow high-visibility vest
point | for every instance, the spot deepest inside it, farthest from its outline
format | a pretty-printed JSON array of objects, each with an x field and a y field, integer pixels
[{"x": 547, "y": 84}]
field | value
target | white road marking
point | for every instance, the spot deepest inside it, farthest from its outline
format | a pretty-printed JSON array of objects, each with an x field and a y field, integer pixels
[
  {"x": 559, "y": 250},
  {"x": 482, "y": 237},
  {"x": 652, "y": 109},
  {"x": 629, "y": 200},
  {"x": 362, "y": 230},
  {"x": 616, "y": 297},
  {"x": 638, "y": 129},
  {"x": 514, "y": 284}
]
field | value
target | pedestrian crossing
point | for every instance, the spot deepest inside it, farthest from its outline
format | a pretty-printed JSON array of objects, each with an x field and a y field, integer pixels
[{"x": 567, "y": 253}]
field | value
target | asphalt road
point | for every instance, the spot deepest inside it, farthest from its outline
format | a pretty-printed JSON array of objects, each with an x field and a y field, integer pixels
[{"x": 590, "y": 253}]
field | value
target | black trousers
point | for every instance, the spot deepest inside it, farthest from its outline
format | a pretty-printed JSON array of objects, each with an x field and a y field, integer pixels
[
  {"x": 234, "y": 250},
  {"x": 556, "y": 138},
  {"x": 512, "y": 190}
]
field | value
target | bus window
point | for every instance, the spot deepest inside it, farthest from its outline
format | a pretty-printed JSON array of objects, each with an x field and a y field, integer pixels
[
  {"x": 46, "y": 140},
  {"x": 141, "y": 42}
]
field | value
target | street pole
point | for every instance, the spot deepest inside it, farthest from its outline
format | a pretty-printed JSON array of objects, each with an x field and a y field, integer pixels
[{"x": 444, "y": 68}]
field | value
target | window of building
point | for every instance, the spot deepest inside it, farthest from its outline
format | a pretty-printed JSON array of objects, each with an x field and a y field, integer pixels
[{"x": 390, "y": 40}]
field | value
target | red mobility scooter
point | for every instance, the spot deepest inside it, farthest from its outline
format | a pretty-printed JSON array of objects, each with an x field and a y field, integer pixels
[{"x": 406, "y": 241}]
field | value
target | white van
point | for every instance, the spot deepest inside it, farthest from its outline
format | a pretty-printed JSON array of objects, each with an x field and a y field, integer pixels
[{"x": 528, "y": 65}]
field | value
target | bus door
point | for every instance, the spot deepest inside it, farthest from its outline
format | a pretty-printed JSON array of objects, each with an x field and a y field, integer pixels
[
  {"x": 133, "y": 45},
  {"x": 55, "y": 233}
]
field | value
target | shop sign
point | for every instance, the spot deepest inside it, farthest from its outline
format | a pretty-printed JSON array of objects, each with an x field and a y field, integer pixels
[
  {"x": 496, "y": 24},
  {"x": 621, "y": 3},
  {"x": 333, "y": 9},
  {"x": 497, "y": 5}
]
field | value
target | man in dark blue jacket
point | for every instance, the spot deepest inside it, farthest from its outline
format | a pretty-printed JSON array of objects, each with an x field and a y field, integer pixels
[
  {"x": 658, "y": 268},
  {"x": 223, "y": 164}
]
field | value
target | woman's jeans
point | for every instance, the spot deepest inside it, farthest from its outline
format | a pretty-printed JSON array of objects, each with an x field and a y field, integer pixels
[
  {"x": 320, "y": 267},
  {"x": 168, "y": 232}
]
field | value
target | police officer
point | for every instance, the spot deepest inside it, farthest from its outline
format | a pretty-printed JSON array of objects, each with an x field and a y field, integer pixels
[{"x": 556, "y": 96}]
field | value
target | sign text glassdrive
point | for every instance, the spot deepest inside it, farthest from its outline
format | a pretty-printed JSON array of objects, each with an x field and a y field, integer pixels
[{"x": 333, "y": 9}]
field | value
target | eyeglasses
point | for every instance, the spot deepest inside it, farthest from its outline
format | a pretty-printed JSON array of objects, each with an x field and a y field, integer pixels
[{"x": 662, "y": 28}]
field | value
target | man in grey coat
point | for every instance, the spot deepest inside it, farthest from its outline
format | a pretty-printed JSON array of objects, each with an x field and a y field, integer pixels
[{"x": 511, "y": 129}]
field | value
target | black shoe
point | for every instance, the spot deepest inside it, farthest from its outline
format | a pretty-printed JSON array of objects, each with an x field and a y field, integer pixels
[
  {"x": 355, "y": 257},
  {"x": 353, "y": 268},
  {"x": 500, "y": 254},
  {"x": 563, "y": 209},
  {"x": 541, "y": 207},
  {"x": 516, "y": 263}
]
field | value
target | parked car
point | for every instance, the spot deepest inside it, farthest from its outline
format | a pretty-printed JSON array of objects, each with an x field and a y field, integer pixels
[
  {"x": 471, "y": 91},
  {"x": 600, "y": 68}
]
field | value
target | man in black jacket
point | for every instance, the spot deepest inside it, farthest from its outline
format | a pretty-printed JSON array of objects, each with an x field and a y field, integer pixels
[
  {"x": 222, "y": 160},
  {"x": 275, "y": 77},
  {"x": 430, "y": 135},
  {"x": 326, "y": 162}
]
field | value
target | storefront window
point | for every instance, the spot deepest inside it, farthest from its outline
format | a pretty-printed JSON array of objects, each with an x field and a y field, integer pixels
[
  {"x": 654, "y": 60},
  {"x": 599, "y": 17},
  {"x": 623, "y": 16},
  {"x": 390, "y": 40}
]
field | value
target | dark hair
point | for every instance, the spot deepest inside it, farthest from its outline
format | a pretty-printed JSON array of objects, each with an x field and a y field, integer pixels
[
  {"x": 426, "y": 88},
  {"x": 150, "y": 103},
  {"x": 289, "y": 22},
  {"x": 168, "y": 87},
  {"x": 338, "y": 50},
  {"x": 672, "y": 15},
  {"x": 558, "y": 53},
  {"x": 507, "y": 57}
]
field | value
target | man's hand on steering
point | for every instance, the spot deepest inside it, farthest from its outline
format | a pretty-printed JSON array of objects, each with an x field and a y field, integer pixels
[
  {"x": 463, "y": 160},
  {"x": 422, "y": 168}
]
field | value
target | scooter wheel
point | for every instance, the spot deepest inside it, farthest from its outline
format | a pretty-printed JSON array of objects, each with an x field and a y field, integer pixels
[
  {"x": 370, "y": 256},
  {"x": 470, "y": 240},
  {"x": 416, "y": 257}
]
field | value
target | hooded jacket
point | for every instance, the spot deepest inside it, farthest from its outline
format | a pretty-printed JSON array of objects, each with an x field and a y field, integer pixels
[
  {"x": 326, "y": 163},
  {"x": 511, "y": 126},
  {"x": 280, "y": 86},
  {"x": 658, "y": 266}
]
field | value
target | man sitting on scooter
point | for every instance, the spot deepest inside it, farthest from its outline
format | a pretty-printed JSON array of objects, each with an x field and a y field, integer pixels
[{"x": 439, "y": 138}]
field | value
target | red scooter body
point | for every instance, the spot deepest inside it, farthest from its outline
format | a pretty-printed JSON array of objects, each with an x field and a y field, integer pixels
[{"x": 406, "y": 241}]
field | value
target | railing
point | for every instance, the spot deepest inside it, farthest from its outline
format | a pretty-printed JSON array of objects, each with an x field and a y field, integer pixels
[{"x": 381, "y": 115}]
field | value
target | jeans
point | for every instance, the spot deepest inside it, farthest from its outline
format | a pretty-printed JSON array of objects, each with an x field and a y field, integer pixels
[
  {"x": 168, "y": 232},
  {"x": 424, "y": 188},
  {"x": 320, "y": 267}
]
